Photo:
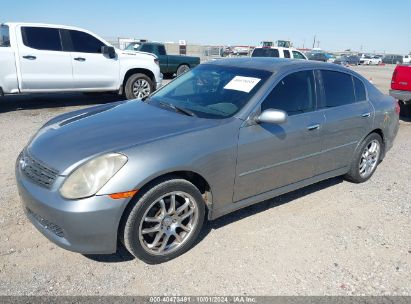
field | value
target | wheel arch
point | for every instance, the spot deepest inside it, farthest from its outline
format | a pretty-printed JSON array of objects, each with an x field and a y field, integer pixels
[
  {"x": 195, "y": 178},
  {"x": 146, "y": 72},
  {"x": 380, "y": 133},
  {"x": 187, "y": 64}
]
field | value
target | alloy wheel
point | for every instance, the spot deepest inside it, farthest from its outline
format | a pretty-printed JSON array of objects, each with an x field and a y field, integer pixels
[
  {"x": 168, "y": 223},
  {"x": 141, "y": 88},
  {"x": 369, "y": 158}
]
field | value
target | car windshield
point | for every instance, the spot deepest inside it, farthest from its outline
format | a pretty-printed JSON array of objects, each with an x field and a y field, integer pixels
[
  {"x": 315, "y": 55},
  {"x": 211, "y": 91},
  {"x": 132, "y": 46},
  {"x": 265, "y": 52}
]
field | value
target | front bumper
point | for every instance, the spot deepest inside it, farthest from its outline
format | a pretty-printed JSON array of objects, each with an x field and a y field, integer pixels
[
  {"x": 159, "y": 81},
  {"x": 87, "y": 226}
]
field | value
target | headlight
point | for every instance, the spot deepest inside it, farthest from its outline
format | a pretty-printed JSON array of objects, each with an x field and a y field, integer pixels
[{"x": 90, "y": 177}]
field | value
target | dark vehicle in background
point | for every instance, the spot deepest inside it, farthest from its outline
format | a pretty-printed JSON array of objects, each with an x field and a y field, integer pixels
[
  {"x": 392, "y": 59},
  {"x": 169, "y": 64},
  {"x": 348, "y": 60},
  {"x": 317, "y": 56},
  {"x": 401, "y": 88}
]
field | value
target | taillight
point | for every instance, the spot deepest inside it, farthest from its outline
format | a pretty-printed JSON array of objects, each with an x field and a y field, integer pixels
[
  {"x": 394, "y": 76},
  {"x": 397, "y": 107},
  {"x": 156, "y": 61}
]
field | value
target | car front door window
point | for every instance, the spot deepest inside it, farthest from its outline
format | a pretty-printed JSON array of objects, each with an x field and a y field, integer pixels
[
  {"x": 271, "y": 156},
  {"x": 294, "y": 94}
]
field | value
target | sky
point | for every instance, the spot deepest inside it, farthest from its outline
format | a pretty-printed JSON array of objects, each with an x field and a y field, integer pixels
[{"x": 361, "y": 25}]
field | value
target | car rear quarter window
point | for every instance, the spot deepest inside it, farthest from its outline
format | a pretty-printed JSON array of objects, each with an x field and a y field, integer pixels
[
  {"x": 298, "y": 55},
  {"x": 286, "y": 54},
  {"x": 85, "y": 43},
  {"x": 265, "y": 52},
  {"x": 294, "y": 94},
  {"x": 338, "y": 88},
  {"x": 360, "y": 93},
  {"x": 42, "y": 38},
  {"x": 4, "y": 36}
]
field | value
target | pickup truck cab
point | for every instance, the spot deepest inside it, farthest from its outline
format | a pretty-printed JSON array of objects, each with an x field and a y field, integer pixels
[
  {"x": 279, "y": 52},
  {"x": 169, "y": 64},
  {"x": 43, "y": 58},
  {"x": 401, "y": 87}
]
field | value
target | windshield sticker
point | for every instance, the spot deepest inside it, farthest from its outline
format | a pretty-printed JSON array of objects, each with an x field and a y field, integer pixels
[{"x": 241, "y": 83}]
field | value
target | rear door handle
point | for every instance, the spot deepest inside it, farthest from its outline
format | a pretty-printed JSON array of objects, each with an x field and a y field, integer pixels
[
  {"x": 30, "y": 57},
  {"x": 365, "y": 115},
  {"x": 81, "y": 59},
  {"x": 313, "y": 127}
]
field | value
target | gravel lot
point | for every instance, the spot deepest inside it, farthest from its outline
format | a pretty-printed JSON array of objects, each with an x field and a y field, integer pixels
[{"x": 332, "y": 238}]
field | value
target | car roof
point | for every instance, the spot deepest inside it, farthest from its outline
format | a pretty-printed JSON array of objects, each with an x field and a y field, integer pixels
[
  {"x": 149, "y": 42},
  {"x": 275, "y": 64},
  {"x": 12, "y": 24}
]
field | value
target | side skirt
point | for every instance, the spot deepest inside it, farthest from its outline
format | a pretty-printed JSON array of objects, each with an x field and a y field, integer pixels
[{"x": 276, "y": 192}]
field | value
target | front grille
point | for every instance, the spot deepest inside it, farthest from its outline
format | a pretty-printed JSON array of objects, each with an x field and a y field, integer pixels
[
  {"x": 37, "y": 172},
  {"x": 56, "y": 229}
]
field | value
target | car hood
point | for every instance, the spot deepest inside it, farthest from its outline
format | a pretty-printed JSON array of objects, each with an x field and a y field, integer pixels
[
  {"x": 74, "y": 137},
  {"x": 128, "y": 54}
]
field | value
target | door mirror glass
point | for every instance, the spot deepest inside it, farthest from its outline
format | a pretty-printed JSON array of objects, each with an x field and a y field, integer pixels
[
  {"x": 109, "y": 51},
  {"x": 272, "y": 116}
]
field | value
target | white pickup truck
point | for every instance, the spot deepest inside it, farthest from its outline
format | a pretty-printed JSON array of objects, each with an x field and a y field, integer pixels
[{"x": 43, "y": 58}]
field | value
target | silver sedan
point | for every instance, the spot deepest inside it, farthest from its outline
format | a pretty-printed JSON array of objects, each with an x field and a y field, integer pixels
[{"x": 221, "y": 137}]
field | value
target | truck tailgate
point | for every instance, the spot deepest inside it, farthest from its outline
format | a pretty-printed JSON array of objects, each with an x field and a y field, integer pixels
[{"x": 401, "y": 79}]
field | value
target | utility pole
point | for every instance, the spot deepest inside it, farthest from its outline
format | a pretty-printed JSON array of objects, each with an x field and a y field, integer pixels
[{"x": 315, "y": 36}]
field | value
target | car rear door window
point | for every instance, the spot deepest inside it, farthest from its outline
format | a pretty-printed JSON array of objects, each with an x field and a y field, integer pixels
[
  {"x": 4, "y": 36},
  {"x": 162, "y": 50},
  {"x": 360, "y": 94},
  {"x": 85, "y": 43},
  {"x": 42, "y": 38},
  {"x": 294, "y": 94},
  {"x": 286, "y": 54},
  {"x": 265, "y": 52},
  {"x": 338, "y": 88}
]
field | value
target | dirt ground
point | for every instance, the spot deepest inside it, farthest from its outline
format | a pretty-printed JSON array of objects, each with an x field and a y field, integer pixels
[{"x": 331, "y": 238}]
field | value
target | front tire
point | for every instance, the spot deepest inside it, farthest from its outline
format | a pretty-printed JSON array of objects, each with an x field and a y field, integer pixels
[
  {"x": 138, "y": 86},
  {"x": 165, "y": 221},
  {"x": 366, "y": 159}
]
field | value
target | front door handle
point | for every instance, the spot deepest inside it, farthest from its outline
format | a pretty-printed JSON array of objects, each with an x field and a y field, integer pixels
[
  {"x": 81, "y": 59},
  {"x": 30, "y": 57},
  {"x": 365, "y": 115},
  {"x": 313, "y": 127}
]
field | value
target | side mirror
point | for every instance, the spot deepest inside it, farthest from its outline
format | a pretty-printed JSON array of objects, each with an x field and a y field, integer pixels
[
  {"x": 272, "y": 116},
  {"x": 109, "y": 51}
]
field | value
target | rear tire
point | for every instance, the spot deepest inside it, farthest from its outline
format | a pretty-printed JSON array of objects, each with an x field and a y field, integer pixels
[
  {"x": 405, "y": 109},
  {"x": 366, "y": 159},
  {"x": 157, "y": 230},
  {"x": 138, "y": 86},
  {"x": 182, "y": 69}
]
